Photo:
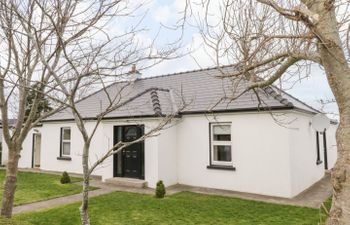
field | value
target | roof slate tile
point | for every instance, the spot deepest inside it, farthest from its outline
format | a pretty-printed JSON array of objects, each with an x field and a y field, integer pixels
[{"x": 201, "y": 90}]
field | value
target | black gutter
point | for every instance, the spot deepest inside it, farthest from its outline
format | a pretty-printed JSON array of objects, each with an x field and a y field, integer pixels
[
  {"x": 263, "y": 109},
  {"x": 111, "y": 118},
  {"x": 38, "y": 125}
]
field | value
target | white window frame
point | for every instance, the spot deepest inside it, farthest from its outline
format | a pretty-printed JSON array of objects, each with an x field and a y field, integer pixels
[
  {"x": 66, "y": 141},
  {"x": 220, "y": 143}
]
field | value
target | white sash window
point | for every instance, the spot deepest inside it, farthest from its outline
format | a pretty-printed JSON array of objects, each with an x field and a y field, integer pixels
[{"x": 221, "y": 153}]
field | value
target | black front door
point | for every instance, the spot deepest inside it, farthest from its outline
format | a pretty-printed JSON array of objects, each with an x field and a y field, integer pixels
[{"x": 130, "y": 161}]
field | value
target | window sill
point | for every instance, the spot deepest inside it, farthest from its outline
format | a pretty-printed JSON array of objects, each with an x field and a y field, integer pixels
[
  {"x": 217, "y": 167},
  {"x": 319, "y": 162},
  {"x": 64, "y": 158}
]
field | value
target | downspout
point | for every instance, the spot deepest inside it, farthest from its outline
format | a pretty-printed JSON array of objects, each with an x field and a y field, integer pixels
[{"x": 325, "y": 150}]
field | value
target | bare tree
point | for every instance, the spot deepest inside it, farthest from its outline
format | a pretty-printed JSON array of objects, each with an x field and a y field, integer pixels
[
  {"x": 269, "y": 41},
  {"x": 20, "y": 71},
  {"x": 88, "y": 134},
  {"x": 86, "y": 56},
  {"x": 115, "y": 102}
]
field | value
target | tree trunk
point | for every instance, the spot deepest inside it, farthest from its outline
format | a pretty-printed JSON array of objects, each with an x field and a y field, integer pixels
[
  {"x": 340, "y": 211},
  {"x": 338, "y": 75},
  {"x": 10, "y": 183},
  {"x": 84, "y": 216}
]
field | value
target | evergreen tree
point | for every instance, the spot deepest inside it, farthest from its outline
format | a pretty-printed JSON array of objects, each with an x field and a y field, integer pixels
[{"x": 44, "y": 104}]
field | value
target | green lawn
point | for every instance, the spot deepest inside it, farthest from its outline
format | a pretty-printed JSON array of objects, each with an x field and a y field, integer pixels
[
  {"x": 182, "y": 208},
  {"x": 324, "y": 210},
  {"x": 33, "y": 187}
]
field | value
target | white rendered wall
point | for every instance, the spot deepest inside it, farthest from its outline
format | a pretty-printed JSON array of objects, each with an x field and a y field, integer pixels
[
  {"x": 260, "y": 153},
  {"x": 25, "y": 161},
  {"x": 160, "y": 152},
  {"x": 102, "y": 141},
  {"x": 303, "y": 153},
  {"x": 269, "y": 159},
  {"x": 50, "y": 148},
  {"x": 167, "y": 155}
]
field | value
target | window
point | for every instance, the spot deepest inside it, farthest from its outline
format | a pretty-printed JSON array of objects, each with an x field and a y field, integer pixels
[
  {"x": 65, "y": 141},
  {"x": 221, "y": 144}
]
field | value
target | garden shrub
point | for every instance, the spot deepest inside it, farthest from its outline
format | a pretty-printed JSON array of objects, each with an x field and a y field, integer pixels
[
  {"x": 65, "y": 179},
  {"x": 160, "y": 189}
]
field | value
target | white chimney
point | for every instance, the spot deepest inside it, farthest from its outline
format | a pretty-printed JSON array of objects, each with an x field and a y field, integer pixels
[{"x": 134, "y": 74}]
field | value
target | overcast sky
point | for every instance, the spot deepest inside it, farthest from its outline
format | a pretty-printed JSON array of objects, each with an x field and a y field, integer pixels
[{"x": 166, "y": 12}]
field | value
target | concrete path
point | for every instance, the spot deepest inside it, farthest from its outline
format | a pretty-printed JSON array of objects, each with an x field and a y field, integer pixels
[
  {"x": 57, "y": 201},
  {"x": 312, "y": 197}
]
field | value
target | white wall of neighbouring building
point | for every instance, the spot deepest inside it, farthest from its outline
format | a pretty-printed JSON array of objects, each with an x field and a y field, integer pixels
[{"x": 25, "y": 160}]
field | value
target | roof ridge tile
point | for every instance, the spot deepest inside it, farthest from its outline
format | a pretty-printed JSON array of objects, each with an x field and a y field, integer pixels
[
  {"x": 270, "y": 91},
  {"x": 156, "y": 103}
]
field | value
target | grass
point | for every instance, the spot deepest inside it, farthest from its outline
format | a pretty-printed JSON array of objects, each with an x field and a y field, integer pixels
[
  {"x": 33, "y": 187},
  {"x": 324, "y": 211},
  {"x": 182, "y": 208}
]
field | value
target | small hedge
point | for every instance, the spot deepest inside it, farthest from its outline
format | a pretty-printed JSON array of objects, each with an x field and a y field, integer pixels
[
  {"x": 160, "y": 189},
  {"x": 65, "y": 179}
]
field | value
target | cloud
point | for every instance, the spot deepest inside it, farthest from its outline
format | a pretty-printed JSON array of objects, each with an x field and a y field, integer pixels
[
  {"x": 168, "y": 12},
  {"x": 162, "y": 14}
]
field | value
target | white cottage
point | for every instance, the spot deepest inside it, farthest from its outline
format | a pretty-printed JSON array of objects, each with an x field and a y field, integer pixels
[{"x": 268, "y": 149}]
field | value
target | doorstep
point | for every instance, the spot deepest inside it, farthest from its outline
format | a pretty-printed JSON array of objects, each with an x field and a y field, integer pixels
[{"x": 127, "y": 182}]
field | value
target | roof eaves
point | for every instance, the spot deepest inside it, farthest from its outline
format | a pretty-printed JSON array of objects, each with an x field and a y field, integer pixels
[
  {"x": 296, "y": 99},
  {"x": 110, "y": 118},
  {"x": 254, "y": 109},
  {"x": 257, "y": 109},
  {"x": 304, "y": 111}
]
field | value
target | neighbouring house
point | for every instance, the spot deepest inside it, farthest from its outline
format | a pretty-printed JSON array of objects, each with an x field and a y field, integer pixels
[
  {"x": 11, "y": 122},
  {"x": 268, "y": 149}
]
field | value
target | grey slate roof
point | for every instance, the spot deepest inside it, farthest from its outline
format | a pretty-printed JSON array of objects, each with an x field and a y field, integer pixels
[{"x": 200, "y": 89}]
